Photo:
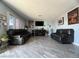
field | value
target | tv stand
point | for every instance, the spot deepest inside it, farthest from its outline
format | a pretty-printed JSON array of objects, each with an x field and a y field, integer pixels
[{"x": 39, "y": 32}]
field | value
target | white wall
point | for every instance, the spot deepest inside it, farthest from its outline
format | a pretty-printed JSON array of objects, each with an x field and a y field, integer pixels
[
  {"x": 4, "y": 10},
  {"x": 20, "y": 23},
  {"x": 66, "y": 26}
]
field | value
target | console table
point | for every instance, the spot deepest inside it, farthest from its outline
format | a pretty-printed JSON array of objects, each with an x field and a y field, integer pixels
[{"x": 39, "y": 32}]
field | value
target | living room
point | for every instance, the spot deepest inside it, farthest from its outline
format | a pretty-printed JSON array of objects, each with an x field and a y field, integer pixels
[{"x": 39, "y": 29}]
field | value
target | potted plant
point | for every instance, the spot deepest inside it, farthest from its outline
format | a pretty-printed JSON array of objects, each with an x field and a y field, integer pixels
[
  {"x": 3, "y": 41},
  {"x": 4, "y": 37}
]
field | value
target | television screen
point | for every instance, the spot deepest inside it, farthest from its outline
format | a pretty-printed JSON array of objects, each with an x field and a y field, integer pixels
[{"x": 39, "y": 23}]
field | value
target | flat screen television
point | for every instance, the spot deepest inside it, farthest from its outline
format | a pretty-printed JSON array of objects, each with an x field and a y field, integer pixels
[{"x": 39, "y": 23}]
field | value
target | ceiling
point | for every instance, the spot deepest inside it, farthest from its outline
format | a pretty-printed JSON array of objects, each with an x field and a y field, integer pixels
[{"x": 42, "y": 9}]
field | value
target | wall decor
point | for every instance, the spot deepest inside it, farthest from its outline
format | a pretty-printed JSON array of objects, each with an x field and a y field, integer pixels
[
  {"x": 3, "y": 21},
  {"x": 73, "y": 16},
  {"x": 61, "y": 21},
  {"x": 3, "y": 17}
]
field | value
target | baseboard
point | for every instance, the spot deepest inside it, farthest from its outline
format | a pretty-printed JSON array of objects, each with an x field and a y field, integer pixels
[{"x": 76, "y": 44}]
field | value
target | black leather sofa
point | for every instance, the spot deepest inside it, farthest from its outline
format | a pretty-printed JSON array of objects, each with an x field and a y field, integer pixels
[
  {"x": 65, "y": 36},
  {"x": 39, "y": 32},
  {"x": 12, "y": 33}
]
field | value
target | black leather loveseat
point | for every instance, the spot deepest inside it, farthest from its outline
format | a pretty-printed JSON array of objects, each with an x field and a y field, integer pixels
[
  {"x": 64, "y": 35},
  {"x": 39, "y": 32},
  {"x": 22, "y": 33}
]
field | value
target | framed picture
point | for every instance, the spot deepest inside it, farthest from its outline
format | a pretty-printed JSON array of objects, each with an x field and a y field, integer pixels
[
  {"x": 73, "y": 16},
  {"x": 61, "y": 21},
  {"x": 3, "y": 21},
  {"x": 3, "y": 17}
]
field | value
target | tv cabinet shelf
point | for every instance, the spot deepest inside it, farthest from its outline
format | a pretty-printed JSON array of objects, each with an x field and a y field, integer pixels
[{"x": 39, "y": 32}]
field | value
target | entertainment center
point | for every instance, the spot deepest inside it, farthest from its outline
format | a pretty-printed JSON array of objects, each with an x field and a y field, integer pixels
[{"x": 39, "y": 32}]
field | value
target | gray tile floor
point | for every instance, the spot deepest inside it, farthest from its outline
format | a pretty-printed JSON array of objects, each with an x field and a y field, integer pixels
[{"x": 42, "y": 47}]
